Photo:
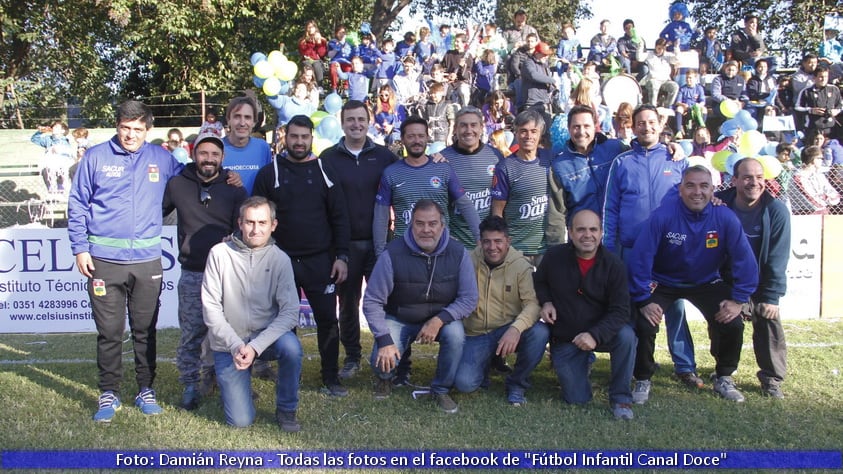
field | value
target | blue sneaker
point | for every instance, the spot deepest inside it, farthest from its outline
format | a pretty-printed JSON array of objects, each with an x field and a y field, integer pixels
[
  {"x": 147, "y": 403},
  {"x": 108, "y": 406}
]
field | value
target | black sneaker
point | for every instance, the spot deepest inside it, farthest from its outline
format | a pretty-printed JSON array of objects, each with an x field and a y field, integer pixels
[
  {"x": 500, "y": 366},
  {"x": 287, "y": 421},
  {"x": 445, "y": 402},
  {"x": 350, "y": 369},
  {"x": 334, "y": 389},
  {"x": 383, "y": 388},
  {"x": 401, "y": 379},
  {"x": 770, "y": 387}
]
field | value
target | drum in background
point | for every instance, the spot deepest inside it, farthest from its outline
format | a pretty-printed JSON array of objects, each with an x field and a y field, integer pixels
[{"x": 621, "y": 88}]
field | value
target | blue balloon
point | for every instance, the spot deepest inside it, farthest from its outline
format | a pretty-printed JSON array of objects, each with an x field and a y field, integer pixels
[
  {"x": 277, "y": 101},
  {"x": 731, "y": 160},
  {"x": 285, "y": 88},
  {"x": 770, "y": 148},
  {"x": 257, "y": 57},
  {"x": 329, "y": 127},
  {"x": 333, "y": 103},
  {"x": 687, "y": 146},
  {"x": 749, "y": 124},
  {"x": 181, "y": 155},
  {"x": 559, "y": 133},
  {"x": 729, "y": 127},
  {"x": 258, "y": 82}
]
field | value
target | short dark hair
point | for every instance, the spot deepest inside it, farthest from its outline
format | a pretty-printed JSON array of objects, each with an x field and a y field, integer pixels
[
  {"x": 628, "y": 22},
  {"x": 299, "y": 121},
  {"x": 811, "y": 154},
  {"x": 257, "y": 201},
  {"x": 413, "y": 120},
  {"x": 821, "y": 69},
  {"x": 427, "y": 204},
  {"x": 353, "y": 105},
  {"x": 642, "y": 108},
  {"x": 494, "y": 223},
  {"x": 581, "y": 109},
  {"x": 527, "y": 116},
  {"x": 134, "y": 110}
]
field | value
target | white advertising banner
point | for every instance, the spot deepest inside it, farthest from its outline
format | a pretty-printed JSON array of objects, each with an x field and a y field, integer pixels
[
  {"x": 41, "y": 290},
  {"x": 804, "y": 269}
]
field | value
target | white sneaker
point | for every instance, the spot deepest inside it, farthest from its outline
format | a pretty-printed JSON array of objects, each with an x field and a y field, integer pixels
[{"x": 641, "y": 392}]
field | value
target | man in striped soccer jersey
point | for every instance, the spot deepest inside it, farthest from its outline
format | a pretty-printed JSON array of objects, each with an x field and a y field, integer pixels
[
  {"x": 520, "y": 187},
  {"x": 417, "y": 177}
]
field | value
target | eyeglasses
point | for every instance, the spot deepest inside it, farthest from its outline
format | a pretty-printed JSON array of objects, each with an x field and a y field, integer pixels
[{"x": 205, "y": 196}]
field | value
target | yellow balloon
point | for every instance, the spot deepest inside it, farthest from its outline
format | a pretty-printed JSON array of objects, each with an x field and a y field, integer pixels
[
  {"x": 771, "y": 165},
  {"x": 316, "y": 117},
  {"x": 718, "y": 161},
  {"x": 729, "y": 108},
  {"x": 276, "y": 58},
  {"x": 263, "y": 69},
  {"x": 286, "y": 71},
  {"x": 320, "y": 145},
  {"x": 751, "y": 142},
  {"x": 271, "y": 87}
]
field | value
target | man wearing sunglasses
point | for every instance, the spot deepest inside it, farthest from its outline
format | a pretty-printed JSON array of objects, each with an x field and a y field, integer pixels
[{"x": 207, "y": 209}]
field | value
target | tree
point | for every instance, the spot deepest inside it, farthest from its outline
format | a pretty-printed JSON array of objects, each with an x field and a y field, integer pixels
[
  {"x": 791, "y": 26},
  {"x": 546, "y": 17}
]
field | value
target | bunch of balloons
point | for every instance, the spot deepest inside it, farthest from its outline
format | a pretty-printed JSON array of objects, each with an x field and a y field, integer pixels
[
  {"x": 328, "y": 130},
  {"x": 273, "y": 73}
]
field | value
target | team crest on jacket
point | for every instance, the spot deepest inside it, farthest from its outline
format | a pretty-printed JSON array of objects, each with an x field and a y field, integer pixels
[
  {"x": 711, "y": 239},
  {"x": 667, "y": 172},
  {"x": 490, "y": 170},
  {"x": 153, "y": 173},
  {"x": 436, "y": 182},
  {"x": 99, "y": 287}
]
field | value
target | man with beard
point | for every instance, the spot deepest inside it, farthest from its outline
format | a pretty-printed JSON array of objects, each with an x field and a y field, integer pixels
[
  {"x": 766, "y": 222},
  {"x": 416, "y": 177},
  {"x": 313, "y": 229},
  {"x": 359, "y": 163},
  {"x": 207, "y": 211}
]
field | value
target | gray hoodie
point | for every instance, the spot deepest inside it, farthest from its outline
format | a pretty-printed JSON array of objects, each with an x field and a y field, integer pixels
[{"x": 248, "y": 295}]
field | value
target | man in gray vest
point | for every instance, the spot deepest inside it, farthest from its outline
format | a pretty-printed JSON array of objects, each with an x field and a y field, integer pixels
[{"x": 422, "y": 285}]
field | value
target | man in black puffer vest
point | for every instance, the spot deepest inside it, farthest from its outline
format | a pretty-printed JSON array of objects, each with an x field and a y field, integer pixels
[{"x": 421, "y": 287}]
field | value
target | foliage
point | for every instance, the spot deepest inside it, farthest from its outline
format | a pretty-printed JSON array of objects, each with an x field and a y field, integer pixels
[
  {"x": 792, "y": 26},
  {"x": 546, "y": 17}
]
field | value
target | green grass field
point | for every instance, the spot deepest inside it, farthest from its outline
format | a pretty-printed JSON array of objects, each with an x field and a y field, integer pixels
[{"x": 48, "y": 388}]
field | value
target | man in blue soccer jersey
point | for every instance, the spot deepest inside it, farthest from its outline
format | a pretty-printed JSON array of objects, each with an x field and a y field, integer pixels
[{"x": 678, "y": 253}]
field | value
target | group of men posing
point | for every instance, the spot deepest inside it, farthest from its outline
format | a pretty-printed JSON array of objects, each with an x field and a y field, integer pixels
[{"x": 319, "y": 225}]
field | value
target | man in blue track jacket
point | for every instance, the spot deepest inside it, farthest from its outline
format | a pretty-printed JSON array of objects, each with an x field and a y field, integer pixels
[{"x": 678, "y": 254}]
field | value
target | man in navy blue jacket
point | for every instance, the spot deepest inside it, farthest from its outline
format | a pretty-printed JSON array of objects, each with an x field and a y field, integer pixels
[
  {"x": 766, "y": 222},
  {"x": 678, "y": 254}
]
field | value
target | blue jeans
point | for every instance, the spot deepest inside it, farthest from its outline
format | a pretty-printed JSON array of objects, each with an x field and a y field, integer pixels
[
  {"x": 236, "y": 385},
  {"x": 451, "y": 339},
  {"x": 571, "y": 365},
  {"x": 478, "y": 351},
  {"x": 679, "y": 340}
]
